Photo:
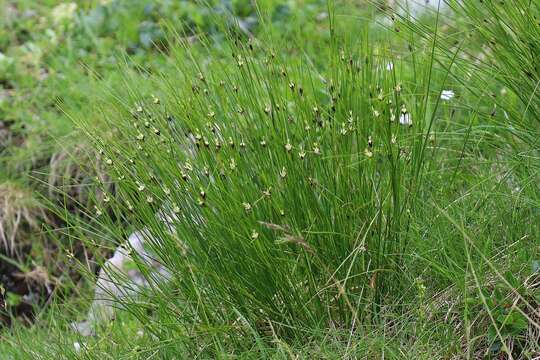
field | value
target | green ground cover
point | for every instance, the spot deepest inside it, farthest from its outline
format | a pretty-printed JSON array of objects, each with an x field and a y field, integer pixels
[{"x": 349, "y": 181}]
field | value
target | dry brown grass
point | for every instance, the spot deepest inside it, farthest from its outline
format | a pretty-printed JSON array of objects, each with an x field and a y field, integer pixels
[{"x": 20, "y": 213}]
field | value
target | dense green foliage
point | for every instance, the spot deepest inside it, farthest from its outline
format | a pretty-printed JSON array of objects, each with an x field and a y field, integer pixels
[{"x": 336, "y": 188}]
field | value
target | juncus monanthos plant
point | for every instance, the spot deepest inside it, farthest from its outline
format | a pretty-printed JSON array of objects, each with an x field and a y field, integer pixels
[
  {"x": 510, "y": 36},
  {"x": 495, "y": 65},
  {"x": 495, "y": 46},
  {"x": 288, "y": 188}
]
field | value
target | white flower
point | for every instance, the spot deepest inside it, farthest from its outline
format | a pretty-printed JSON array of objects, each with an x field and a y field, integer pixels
[
  {"x": 405, "y": 119},
  {"x": 447, "y": 94},
  {"x": 390, "y": 66}
]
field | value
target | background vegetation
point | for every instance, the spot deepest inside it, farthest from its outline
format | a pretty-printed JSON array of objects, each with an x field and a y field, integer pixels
[{"x": 349, "y": 180}]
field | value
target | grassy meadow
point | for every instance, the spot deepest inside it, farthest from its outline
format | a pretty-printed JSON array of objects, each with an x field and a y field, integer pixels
[{"x": 339, "y": 179}]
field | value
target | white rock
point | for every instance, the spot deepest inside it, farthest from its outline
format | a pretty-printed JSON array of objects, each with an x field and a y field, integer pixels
[
  {"x": 418, "y": 7},
  {"x": 119, "y": 280},
  {"x": 78, "y": 346}
]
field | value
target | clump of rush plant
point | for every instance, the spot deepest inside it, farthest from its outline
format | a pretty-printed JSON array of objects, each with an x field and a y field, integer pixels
[
  {"x": 496, "y": 65},
  {"x": 287, "y": 188},
  {"x": 509, "y": 34},
  {"x": 496, "y": 62}
]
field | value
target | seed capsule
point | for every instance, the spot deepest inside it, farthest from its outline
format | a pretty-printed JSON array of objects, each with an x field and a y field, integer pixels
[
  {"x": 368, "y": 153},
  {"x": 98, "y": 211},
  {"x": 288, "y": 147}
]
